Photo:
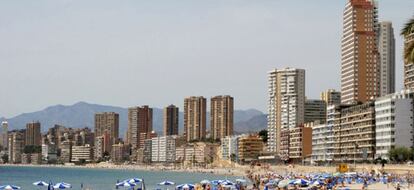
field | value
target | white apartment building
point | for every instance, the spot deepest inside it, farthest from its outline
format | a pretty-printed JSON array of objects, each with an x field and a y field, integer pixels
[
  {"x": 286, "y": 101},
  {"x": 394, "y": 122},
  {"x": 229, "y": 146},
  {"x": 323, "y": 136},
  {"x": 163, "y": 149},
  {"x": 82, "y": 153}
]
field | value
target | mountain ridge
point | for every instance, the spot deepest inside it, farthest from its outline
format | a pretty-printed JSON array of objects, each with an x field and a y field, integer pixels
[{"x": 81, "y": 114}]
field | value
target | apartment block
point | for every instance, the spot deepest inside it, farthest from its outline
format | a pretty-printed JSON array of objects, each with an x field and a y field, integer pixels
[
  {"x": 163, "y": 149},
  {"x": 139, "y": 121},
  {"x": 107, "y": 123},
  {"x": 250, "y": 147},
  {"x": 355, "y": 134},
  {"x": 300, "y": 142},
  {"x": 82, "y": 153},
  {"x": 408, "y": 65},
  {"x": 331, "y": 97},
  {"x": 33, "y": 134},
  {"x": 120, "y": 152},
  {"x": 229, "y": 148},
  {"x": 394, "y": 122},
  {"x": 170, "y": 120},
  {"x": 286, "y": 105},
  {"x": 16, "y": 146},
  {"x": 360, "y": 68},
  {"x": 386, "y": 47},
  {"x": 195, "y": 118},
  {"x": 4, "y": 137},
  {"x": 315, "y": 110},
  {"x": 221, "y": 120}
]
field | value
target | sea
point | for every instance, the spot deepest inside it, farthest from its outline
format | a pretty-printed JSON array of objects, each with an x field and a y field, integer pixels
[{"x": 96, "y": 179}]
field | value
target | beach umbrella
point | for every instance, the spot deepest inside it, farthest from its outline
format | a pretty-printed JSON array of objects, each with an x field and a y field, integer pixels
[
  {"x": 125, "y": 184},
  {"x": 227, "y": 182},
  {"x": 166, "y": 183},
  {"x": 185, "y": 186},
  {"x": 62, "y": 185},
  {"x": 40, "y": 183},
  {"x": 216, "y": 182},
  {"x": 241, "y": 181},
  {"x": 9, "y": 187},
  {"x": 301, "y": 182},
  {"x": 134, "y": 180},
  {"x": 284, "y": 183},
  {"x": 205, "y": 182}
]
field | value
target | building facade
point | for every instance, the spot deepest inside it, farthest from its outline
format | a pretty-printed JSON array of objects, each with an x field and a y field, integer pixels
[
  {"x": 221, "y": 120},
  {"x": 195, "y": 118},
  {"x": 229, "y": 148},
  {"x": 360, "y": 71},
  {"x": 250, "y": 148},
  {"x": 4, "y": 135},
  {"x": 170, "y": 122},
  {"x": 331, "y": 97},
  {"x": 386, "y": 49},
  {"x": 82, "y": 153},
  {"x": 107, "y": 123},
  {"x": 394, "y": 122},
  {"x": 408, "y": 65},
  {"x": 300, "y": 142},
  {"x": 163, "y": 149},
  {"x": 33, "y": 134},
  {"x": 315, "y": 110},
  {"x": 355, "y": 134},
  {"x": 16, "y": 146},
  {"x": 139, "y": 121},
  {"x": 286, "y": 105}
]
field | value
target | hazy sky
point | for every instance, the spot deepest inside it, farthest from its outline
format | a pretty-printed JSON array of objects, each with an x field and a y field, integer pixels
[{"x": 157, "y": 52}]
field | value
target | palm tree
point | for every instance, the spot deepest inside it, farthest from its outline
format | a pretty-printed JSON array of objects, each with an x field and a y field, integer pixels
[{"x": 409, "y": 49}]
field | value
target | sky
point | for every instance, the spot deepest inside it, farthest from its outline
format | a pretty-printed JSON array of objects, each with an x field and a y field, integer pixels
[{"x": 131, "y": 52}]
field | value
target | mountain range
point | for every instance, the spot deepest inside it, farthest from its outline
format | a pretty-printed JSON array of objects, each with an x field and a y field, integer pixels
[{"x": 81, "y": 114}]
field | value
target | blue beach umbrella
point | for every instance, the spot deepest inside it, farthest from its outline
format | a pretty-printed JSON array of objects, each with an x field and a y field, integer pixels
[
  {"x": 301, "y": 182},
  {"x": 9, "y": 187},
  {"x": 125, "y": 184},
  {"x": 62, "y": 185},
  {"x": 134, "y": 180},
  {"x": 227, "y": 182},
  {"x": 185, "y": 186},
  {"x": 216, "y": 182},
  {"x": 166, "y": 183},
  {"x": 41, "y": 183}
]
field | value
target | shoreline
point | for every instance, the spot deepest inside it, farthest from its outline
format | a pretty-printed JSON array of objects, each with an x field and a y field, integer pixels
[{"x": 236, "y": 172}]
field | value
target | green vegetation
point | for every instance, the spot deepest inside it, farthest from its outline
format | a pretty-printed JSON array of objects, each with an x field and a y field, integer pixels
[
  {"x": 409, "y": 49},
  {"x": 263, "y": 135},
  {"x": 31, "y": 149},
  {"x": 5, "y": 158},
  {"x": 401, "y": 154}
]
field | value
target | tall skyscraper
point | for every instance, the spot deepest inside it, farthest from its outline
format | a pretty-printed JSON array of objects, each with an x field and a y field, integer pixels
[
  {"x": 195, "y": 118},
  {"x": 139, "y": 121},
  {"x": 16, "y": 146},
  {"x": 4, "y": 135},
  {"x": 107, "y": 122},
  {"x": 286, "y": 103},
  {"x": 221, "y": 119},
  {"x": 33, "y": 134},
  {"x": 360, "y": 72},
  {"x": 408, "y": 65},
  {"x": 386, "y": 49},
  {"x": 331, "y": 97},
  {"x": 170, "y": 123}
]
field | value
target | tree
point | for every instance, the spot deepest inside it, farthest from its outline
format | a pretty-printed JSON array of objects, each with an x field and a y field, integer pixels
[
  {"x": 5, "y": 158},
  {"x": 400, "y": 154},
  {"x": 405, "y": 32},
  {"x": 30, "y": 149},
  {"x": 263, "y": 135}
]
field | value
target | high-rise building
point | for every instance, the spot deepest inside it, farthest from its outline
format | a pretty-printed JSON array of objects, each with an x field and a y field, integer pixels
[
  {"x": 250, "y": 148},
  {"x": 195, "y": 118},
  {"x": 33, "y": 134},
  {"x": 315, "y": 110},
  {"x": 331, "y": 97},
  {"x": 163, "y": 149},
  {"x": 300, "y": 142},
  {"x": 286, "y": 106},
  {"x": 107, "y": 122},
  {"x": 16, "y": 145},
  {"x": 360, "y": 71},
  {"x": 386, "y": 49},
  {"x": 139, "y": 121},
  {"x": 221, "y": 119},
  {"x": 408, "y": 65},
  {"x": 4, "y": 135},
  {"x": 394, "y": 122},
  {"x": 170, "y": 123}
]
